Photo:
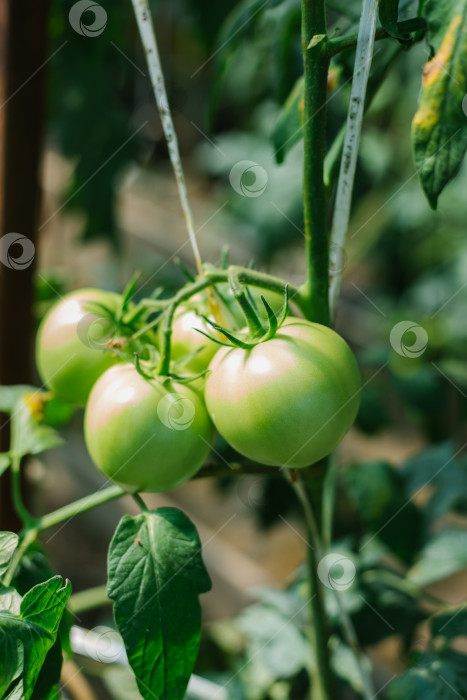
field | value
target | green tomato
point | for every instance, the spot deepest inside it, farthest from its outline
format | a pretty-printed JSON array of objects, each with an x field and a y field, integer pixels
[
  {"x": 70, "y": 344},
  {"x": 186, "y": 340},
  {"x": 146, "y": 435},
  {"x": 290, "y": 400}
]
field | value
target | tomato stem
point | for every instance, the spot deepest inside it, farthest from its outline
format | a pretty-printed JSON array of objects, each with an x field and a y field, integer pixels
[
  {"x": 104, "y": 495},
  {"x": 349, "y": 41},
  {"x": 139, "y": 501},
  {"x": 316, "y": 64},
  {"x": 24, "y": 514}
]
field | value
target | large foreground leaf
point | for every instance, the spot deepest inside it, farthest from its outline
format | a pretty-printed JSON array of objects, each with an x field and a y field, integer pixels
[
  {"x": 28, "y": 629},
  {"x": 156, "y": 574}
]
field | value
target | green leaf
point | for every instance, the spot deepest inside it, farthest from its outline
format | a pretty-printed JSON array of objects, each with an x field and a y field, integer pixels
[
  {"x": 288, "y": 130},
  {"x": 344, "y": 664},
  {"x": 439, "y": 127},
  {"x": 33, "y": 630},
  {"x": 445, "y": 475},
  {"x": 381, "y": 502},
  {"x": 49, "y": 676},
  {"x": 156, "y": 574},
  {"x": 29, "y": 434},
  {"x": 274, "y": 640},
  {"x": 450, "y": 625},
  {"x": 433, "y": 677},
  {"x": 10, "y": 395},
  {"x": 444, "y": 555},
  {"x": 35, "y": 568},
  {"x": 8, "y": 544},
  {"x": 388, "y": 15},
  {"x": 10, "y": 658},
  {"x": 10, "y": 600}
]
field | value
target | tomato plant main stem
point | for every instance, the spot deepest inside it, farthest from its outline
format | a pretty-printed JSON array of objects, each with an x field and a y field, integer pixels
[{"x": 316, "y": 64}]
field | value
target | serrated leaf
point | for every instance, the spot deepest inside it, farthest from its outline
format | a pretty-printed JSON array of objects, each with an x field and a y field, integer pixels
[
  {"x": 450, "y": 625},
  {"x": 439, "y": 127},
  {"x": 8, "y": 544},
  {"x": 288, "y": 129},
  {"x": 433, "y": 677},
  {"x": 33, "y": 630},
  {"x": 155, "y": 575},
  {"x": 444, "y": 555}
]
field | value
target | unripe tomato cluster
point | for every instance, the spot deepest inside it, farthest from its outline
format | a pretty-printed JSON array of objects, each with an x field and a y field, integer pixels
[{"x": 286, "y": 401}]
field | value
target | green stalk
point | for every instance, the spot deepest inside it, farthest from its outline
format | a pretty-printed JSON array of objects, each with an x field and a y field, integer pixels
[
  {"x": 24, "y": 514},
  {"x": 349, "y": 41},
  {"x": 80, "y": 506},
  {"x": 316, "y": 65}
]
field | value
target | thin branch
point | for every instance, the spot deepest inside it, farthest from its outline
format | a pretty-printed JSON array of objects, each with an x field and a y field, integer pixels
[{"x": 349, "y": 41}]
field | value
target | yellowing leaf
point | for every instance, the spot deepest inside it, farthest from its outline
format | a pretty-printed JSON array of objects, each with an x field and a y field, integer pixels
[{"x": 439, "y": 127}]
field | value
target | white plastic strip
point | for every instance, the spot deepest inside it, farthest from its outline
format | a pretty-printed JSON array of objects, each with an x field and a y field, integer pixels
[
  {"x": 364, "y": 55},
  {"x": 148, "y": 39},
  {"x": 104, "y": 644}
]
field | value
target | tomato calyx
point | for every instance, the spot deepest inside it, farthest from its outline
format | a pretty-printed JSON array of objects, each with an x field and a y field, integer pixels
[
  {"x": 148, "y": 368},
  {"x": 257, "y": 332}
]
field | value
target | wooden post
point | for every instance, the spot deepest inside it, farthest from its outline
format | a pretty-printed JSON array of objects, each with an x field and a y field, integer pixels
[{"x": 23, "y": 57}]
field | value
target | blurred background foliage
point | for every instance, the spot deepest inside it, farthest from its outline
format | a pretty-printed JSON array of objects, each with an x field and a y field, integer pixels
[{"x": 229, "y": 68}]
